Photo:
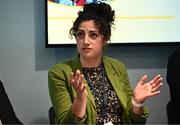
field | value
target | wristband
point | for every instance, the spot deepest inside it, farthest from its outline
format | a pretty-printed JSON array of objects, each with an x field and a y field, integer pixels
[
  {"x": 76, "y": 117},
  {"x": 135, "y": 104},
  {"x": 79, "y": 118}
]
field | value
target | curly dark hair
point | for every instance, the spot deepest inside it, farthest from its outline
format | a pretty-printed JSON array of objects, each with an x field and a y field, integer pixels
[{"x": 102, "y": 15}]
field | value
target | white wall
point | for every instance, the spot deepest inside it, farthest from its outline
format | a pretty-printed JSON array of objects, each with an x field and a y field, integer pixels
[
  {"x": 24, "y": 62},
  {"x": 1, "y": 35},
  {"x": 26, "y": 87}
]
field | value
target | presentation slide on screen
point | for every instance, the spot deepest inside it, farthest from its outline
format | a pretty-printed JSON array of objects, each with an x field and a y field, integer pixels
[{"x": 136, "y": 21}]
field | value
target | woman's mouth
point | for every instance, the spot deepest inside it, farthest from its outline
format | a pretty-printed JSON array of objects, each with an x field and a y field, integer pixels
[{"x": 86, "y": 49}]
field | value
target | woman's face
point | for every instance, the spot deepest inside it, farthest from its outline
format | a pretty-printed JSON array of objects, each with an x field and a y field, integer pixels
[{"x": 90, "y": 42}]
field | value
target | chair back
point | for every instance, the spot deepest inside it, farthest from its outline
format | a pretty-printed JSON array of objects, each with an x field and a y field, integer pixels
[{"x": 51, "y": 115}]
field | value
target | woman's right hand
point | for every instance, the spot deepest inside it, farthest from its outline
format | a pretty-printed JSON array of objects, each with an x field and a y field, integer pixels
[
  {"x": 76, "y": 81},
  {"x": 79, "y": 105}
]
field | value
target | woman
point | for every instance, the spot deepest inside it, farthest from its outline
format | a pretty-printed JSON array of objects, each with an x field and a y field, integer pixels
[{"x": 92, "y": 88}]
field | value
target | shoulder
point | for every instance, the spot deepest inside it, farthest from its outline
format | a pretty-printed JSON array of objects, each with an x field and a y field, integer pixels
[
  {"x": 61, "y": 67},
  {"x": 174, "y": 55},
  {"x": 113, "y": 65},
  {"x": 67, "y": 66},
  {"x": 174, "y": 60},
  {"x": 113, "y": 62}
]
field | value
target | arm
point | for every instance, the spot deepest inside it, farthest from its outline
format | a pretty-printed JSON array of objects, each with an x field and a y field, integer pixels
[
  {"x": 145, "y": 90},
  {"x": 62, "y": 94},
  {"x": 79, "y": 104},
  {"x": 130, "y": 115},
  {"x": 142, "y": 91}
]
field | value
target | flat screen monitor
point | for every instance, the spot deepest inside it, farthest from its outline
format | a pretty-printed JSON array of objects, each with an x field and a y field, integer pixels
[{"x": 136, "y": 21}]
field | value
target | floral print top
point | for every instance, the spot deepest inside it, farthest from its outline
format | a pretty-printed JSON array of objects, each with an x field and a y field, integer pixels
[{"x": 106, "y": 100}]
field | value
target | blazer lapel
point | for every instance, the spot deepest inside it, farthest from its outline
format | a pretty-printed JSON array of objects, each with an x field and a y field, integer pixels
[
  {"x": 76, "y": 65},
  {"x": 116, "y": 81}
]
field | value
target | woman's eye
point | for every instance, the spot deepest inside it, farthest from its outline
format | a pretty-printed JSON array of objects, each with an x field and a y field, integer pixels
[
  {"x": 93, "y": 35},
  {"x": 80, "y": 34}
]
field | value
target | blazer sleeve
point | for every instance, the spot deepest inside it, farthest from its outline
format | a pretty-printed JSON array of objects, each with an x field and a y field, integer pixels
[
  {"x": 128, "y": 116},
  {"x": 134, "y": 118},
  {"x": 61, "y": 94}
]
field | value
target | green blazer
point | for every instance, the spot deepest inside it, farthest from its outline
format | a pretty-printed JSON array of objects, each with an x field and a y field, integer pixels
[{"x": 62, "y": 93}]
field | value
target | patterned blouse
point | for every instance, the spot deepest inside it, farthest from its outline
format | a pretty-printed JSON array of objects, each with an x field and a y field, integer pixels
[{"x": 106, "y": 100}]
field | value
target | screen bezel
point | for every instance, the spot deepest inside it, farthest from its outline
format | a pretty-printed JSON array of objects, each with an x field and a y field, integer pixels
[{"x": 48, "y": 45}]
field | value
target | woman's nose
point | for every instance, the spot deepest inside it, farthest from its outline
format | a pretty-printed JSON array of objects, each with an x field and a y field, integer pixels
[{"x": 86, "y": 39}]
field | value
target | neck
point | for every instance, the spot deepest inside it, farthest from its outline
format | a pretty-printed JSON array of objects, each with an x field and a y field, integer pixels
[{"x": 90, "y": 62}]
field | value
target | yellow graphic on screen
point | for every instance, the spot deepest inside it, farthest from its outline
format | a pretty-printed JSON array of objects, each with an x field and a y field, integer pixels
[{"x": 136, "y": 21}]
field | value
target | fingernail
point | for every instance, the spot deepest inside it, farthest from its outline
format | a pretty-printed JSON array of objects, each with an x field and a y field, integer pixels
[{"x": 77, "y": 71}]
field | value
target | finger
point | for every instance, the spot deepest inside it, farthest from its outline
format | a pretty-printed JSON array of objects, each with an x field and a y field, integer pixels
[
  {"x": 81, "y": 89},
  {"x": 72, "y": 78},
  {"x": 84, "y": 89},
  {"x": 77, "y": 75},
  {"x": 79, "y": 86},
  {"x": 83, "y": 92},
  {"x": 143, "y": 79},
  {"x": 76, "y": 79},
  {"x": 157, "y": 87},
  {"x": 159, "y": 81},
  {"x": 156, "y": 79},
  {"x": 81, "y": 78},
  {"x": 155, "y": 93},
  {"x": 80, "y": 81},
  {"x": 75, "y": 84}
]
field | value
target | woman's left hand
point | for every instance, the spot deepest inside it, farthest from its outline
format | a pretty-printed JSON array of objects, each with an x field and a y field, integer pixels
[{"x": 144, "y": 90}]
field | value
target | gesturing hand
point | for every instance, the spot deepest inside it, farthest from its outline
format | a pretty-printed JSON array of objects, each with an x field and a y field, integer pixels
[
  {"x": 144, "y": 90},
  {"x": 76, "y": 81}
]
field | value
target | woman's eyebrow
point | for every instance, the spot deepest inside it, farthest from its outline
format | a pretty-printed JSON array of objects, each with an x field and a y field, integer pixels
[
  {"x": 89, "y": 30},
  {"x": 93, "y": 31},
  {"x": 80, "y": 30}
]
